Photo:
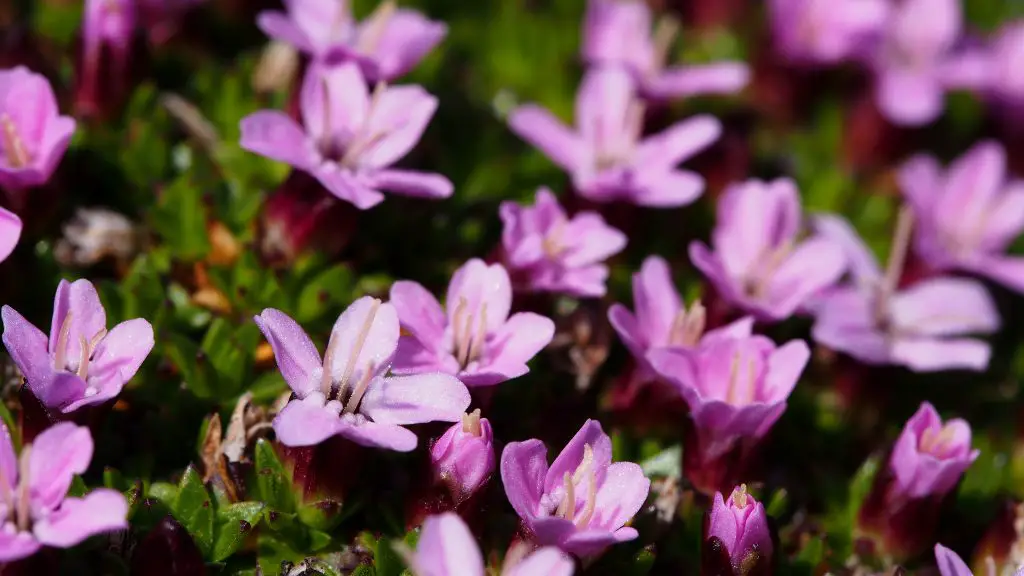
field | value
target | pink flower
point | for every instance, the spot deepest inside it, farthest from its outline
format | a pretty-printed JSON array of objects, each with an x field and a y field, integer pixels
[
  {"x": 349, "y": 137},
  {"x": 33, "y": 134},
  {"x": 618, "y": 33},
  {"x": 606, "y": 155},
  {"x": 34, "y": 507},
  {"x": 582, "y": 502},
  {"x": 968, "y": 215},
  {"x": 550, "y": 252},
  {"x": 81, "y": 363},
  {"x": 758, "y": 262},
  {"x": 447, "y": 548},
  {"x": 389, "y": 43},
  {"x": 922, "y": 327},
  {"x": 661, "y": 320},
  {"x": 1006, "y": 79},
  {"x": 918, "y": 60},
  {"x": 736, "y": 389},
  {"x": 10, "y": 232},
  {"x": 475, "y": 339},
  {"x": 950, "y": 563},
  {"x": 108, "y": 30},
  {"x": 736, "y": 533},
  {"x": 824, "y": 31},
  {"x": 348, "y": 393},
  {"x": 463, "y": 458}
]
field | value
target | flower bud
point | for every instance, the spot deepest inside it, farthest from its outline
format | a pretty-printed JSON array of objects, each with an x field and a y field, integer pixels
[
  {"x": 736, "y": 536},
  {"x": 108, "y": 31},
  {"x": 463, "y": 458},
  {"x": 925, "y": 464}
]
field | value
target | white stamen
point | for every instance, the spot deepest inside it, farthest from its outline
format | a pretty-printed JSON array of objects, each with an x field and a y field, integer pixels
[
  {"x": 360, "y": 389},
  {"x": 60, "y": 350},
  {"x": 14, "y": 146},
  {"x": 897, "y": 259},
  {"x": 83, "y": 357},
  {"x": 357, "y": 348},
  {"x": 375, "y": 24},
  {"x": 326, "y": 377},
  {"x": 567, "y": 508}
]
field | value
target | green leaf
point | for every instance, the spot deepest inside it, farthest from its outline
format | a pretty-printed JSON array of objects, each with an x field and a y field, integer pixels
[
  {"x": 327, "y": 289},
  {"x": 321, "y": 515},
  {"x": 186, "y": 357},
  {"x": 180, "y": 219},
  {"x": 272, "y": 485},
  {"x": 194, "y": 509},
  {"x": 234, "y": 523}
]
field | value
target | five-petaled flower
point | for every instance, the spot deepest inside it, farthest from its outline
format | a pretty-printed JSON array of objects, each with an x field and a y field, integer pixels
[
  {"x": 759, "y": 263},
  {"x": 922, "y": 327},
  {"x": 348, "y": 393},
  {"x": 33, "y": 134},
  {"x": 385, "y": 46},
  {"x": 582, "y": 502},
  {"x": 350, "y": 137},
  {"x": 81, "y": 363},
  {"x": 547, "y": 251},
  {"x": 967, "y": 215},
  {"x": 607, "y": 155},
  {"x": 475, "y": 338},
  {"x": 35, "y": 510}
]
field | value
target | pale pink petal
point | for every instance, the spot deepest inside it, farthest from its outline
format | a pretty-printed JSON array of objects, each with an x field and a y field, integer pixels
[
  {"x": 122, "y": 350},
  {"x": 419, "y": 312},
  {"x": 10, "y": 232},
  {"x": 909, "y": 98},
  {"x": 620, "y": 496},
  {"x": 697, "y": 79},
  {"x": 861, "y": 260},
  {"x": 949, "y": 563},
  {"x": 399, "y": 115},
  {"x": 375, "y": 435},
  {"x": 944, "y": 307},
  {"x": 603, "y": 105},
  {"x": 656, "y": 301},
  {"x": 88, "y": 318},
  {"x": 406, "y": 38},
  {"x": 59, "y": 453},
  {"x": 415, "y": 399},
  {"x": 973, "y": 182},
  {"x": 569, "y": 459},
  {"x": 477, "y": 285},
  {"x": 930, "y": 354},
  {"x": 17, "y": 545},
  {"x": 26, "y": 344},
  {"x": 102, "y": 510},
  {"x": 549, "y": 134},
  {"x": 296, "y": 355},
  {"x": 306, "y": 422},
  {"x": 273, "y": 134},
  {"x": 668, "y": 189},
  {"x": 521, "y": 338},
  {"x": 413, "y": 183},
  {"x": 785, "y": 365},
  {"x": 920, "y": 180},
  {"x": 345, "y": 185},
  {"x": 523, "y": 468},
  {"x": 677, "y": 143},
  {"x": 446, "y": 547},
  {"x": 279, "y": 26},
  {"x": 365, "y": 337},
  {"x": 547, "y": 561},
  {"x": 334, "y": 102}
]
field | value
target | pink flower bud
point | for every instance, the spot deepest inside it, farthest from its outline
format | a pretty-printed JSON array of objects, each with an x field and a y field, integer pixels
[
  {"x": 736, "y": 536},
  {"x": 926, "y": 462},
  {"x": 463, "y": 458},
  {"x": 108, "y": 30}
]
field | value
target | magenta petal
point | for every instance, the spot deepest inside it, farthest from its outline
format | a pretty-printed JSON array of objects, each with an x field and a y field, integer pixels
[
  {"x": 523, "y": 468},
  {"x": 17, "y": 545},
  {"x": 569, "y": 459},
  {"x": 419, "y": 312},
  {"x": 591, "y": 542},
  {"x": 1006, "y": 270},
  {"x": 122, "y": 351},
  {"x": 401, "y": 114},
  {"x": 909, "y": 98},
  {"x": 273, "y": 134},
  {"x": 102, "y": 510},
  {"x": 413, "y": 357},
  {"x": 345, "y": 185},
  {"x": 55, "y": 143},
  {"x": 693, "y": 80},
  {"x": 547, "y": 561},
  {"x": 88, "y": 318},
  {"x": 949, "y": 563},
  {"x": 669, "y": 189},
  {"x": 549, "y": 134},
  {"x": 59, "y": 453},
  {"x": 521, "y": 338},
  {"x": 446, "y": 547},
  {"x": 374, "y": 435},
  {"x": 413, "y": 183},
  {"x": 10, "y": 232},
  {"x": 678, "y": 143},
  {"x": 296, "y": 355},
  {"x": 415, "y": 399},
  {"x": 722, "y": 523},
  {"x": 407, "y": 38},
  {"x": 621, "y": 495},
  {"x": 478, "y": 284},
  {"x": 26, "y": 344},
  {"x": 306, "y": 422}
]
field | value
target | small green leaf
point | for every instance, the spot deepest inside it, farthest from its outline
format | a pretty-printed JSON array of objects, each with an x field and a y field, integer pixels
[
  {"x": 234, "y": 523},
  {"x": 321, "y": 515},
  {"x": 272, "y": 485},
  {"x": 180, "y": 219},
  {"x": 327, "y": 289},
  {"x": 194, "y": 509}
]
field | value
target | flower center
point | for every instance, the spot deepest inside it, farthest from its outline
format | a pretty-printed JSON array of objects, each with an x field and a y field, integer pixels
[
  {"x": 86, "y": 348},
  {"x": 938, "y": 441},
  {"x": 688, "y": 326},
  {"x": 740, "y": 391},
  {"x": 584, "y": 473},
  {"x": 740, "y": 496},
  {"x": 616, "y": 149},
  {"x": 756, "y": 285},
  {"x": 552, "y": 242},
  {"x": 469, "y": 332},
  {"x": 366, "y": 138},
  {"x": 471, "y": 423},
  {"x": 335, "y": 390},
  {"x": 14, "y": 147},
  {"x": 17, "y": 500}
]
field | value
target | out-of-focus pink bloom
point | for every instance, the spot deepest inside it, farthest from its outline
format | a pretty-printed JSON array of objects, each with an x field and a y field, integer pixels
[
  {"x": 108, "y": 29},
  {"x": 736, "y": 389},
  {"x": 349, "y": 137},
  {"x": 1006, "y": 79},
  {"x": 824, "y": 31},
  {"x": 33, "y": 134},
  {"x": 582, "y": 502},
  {"x": 607, "y": 156},
  {"x": 10, "y": 232},
  {"x": 447, "y": 548},
  {"x": 618, "y": 33},
  {"x": 81, "y": 363},
  {"x": 547, "y": 251},
  {"x": 389, "y": 43},
  {"x": 35, "y": 510},
  {"x": 918, "y": 60},
  {"x": 927, "y": 461},
  {"x": 758, "y": 264},
  {"x": 475, "y": 338},
  {"x": 463, "y": 458},
  {"x": 950, "y": 563},
  {"x": 740, "y": 526},
  {"x": 348, "y": 393},
  {"x": 661, "y": 320},
  {"x": 968, "y": 215},
  {"x": 922, "y": 327}
]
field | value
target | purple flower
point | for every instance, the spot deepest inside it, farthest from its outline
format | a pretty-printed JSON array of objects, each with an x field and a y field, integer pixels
[
  {"x": 606, "y": 156},
  {"x": 661, "y": 320},
  {"x": 348, "y": 392},
  {"x": 758, "y": 263},
  {"x": 108, "y": 23},
  {"x": 33, "y": 134},
  {"x": 921, "y": 327},
  {"x": 81, "y": 363},
  {"x": 582, "y": 502},
  {"x": 618, "y": 33},
  {"x": 736, "y": 389},
  {"x": 740, "y": 526},
  {"x": 1006, "y": 80},
  {"x": 824, "y": 31},
  {"x": 968, "y": 215},
  {"x": 349, "y": 137},
  {"x": 463, "y": 458},
  {"x": 950, "y": 563},
  {"x": 930, "y": 457},
  {"x": 447, "y": 548},
  {"x": 34, "y": 506},
  {"x": 917, "y": 61},
  {"x": 475, "y": 338},
  {"x": 385, "y": 46},
  {"x": 10, "y": 232},
  {"x": 550, "y": 252}
]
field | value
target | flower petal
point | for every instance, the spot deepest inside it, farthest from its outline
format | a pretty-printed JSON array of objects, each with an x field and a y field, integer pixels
[
  {"x": 508, "y": 350},
  {"x": 694, "y": 80},
  {"x": 376, "y": 435},
  {"x": 17, "y": 545},
  {"x": 26, "y": 344},
  {"x": 365, "y": 337},
  {"x": 909, "y": 98},
  {"x": 549, "y": 134},
  {"x": 399, "y": 115},
  {"x": 546, "y": 561},
  {"x": 415, "y": 399},
  {"x": 122, "y": 351},
  {"x": 419, "y": 312},
  {"x": 931, "y": 354},
  {"x": 273, "y": 134},
  {"x": 679, "y": 142},
  {"x": 476, "y": 286},
  {"x": 413, "y": 183},
  {"x": 306, "y": 422},
  {"x": 59, "y": 453},
  {"x": 569, "y": 459},
  {"x": 944, "y": 307},
  {"x": 523, "y": 467},
  {"x": 296, "y": 355},
  {"x": 10, "y": 232},
  {"x": 88, "y": 318},
  {"x": 447, "y": 547},
  {"x": 620, "y": 496},
  {"x": 102, "y": 510},
  {"x": 950, "y": 563},
  {"x": 279, "y": 26}
]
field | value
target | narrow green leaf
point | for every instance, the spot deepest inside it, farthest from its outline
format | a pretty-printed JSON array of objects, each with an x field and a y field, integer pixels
[
  {"x": 272, "y": 485},
  {"x": 195, "y": 509}
]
